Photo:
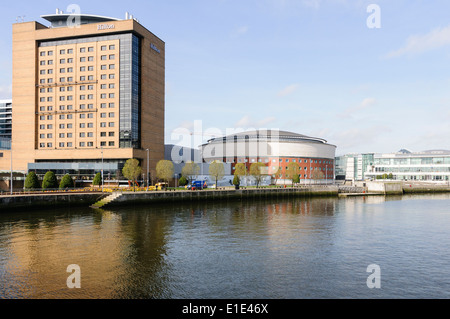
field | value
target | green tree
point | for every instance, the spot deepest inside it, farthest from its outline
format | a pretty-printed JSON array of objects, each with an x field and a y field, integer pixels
[
  {"x": 66, "y": 182},
  {"x": 32, "y": 181},
  {"x": 258, "y": 171},
  {"x": 190, "y": 171},
  {"x": 165, "y": 170},
  {"x": 216, "y": 170},
  {"x": 183, "y": 181},
  {"x": 236, "y": 181},
  {"x": 97, "y": 179},
  {"x": 50, "y": 181},
  {"x": 132, "y": 171},
  {"x": 276, "y": 174},
  {"x": 240, "y": 170},
  {"x": 292, "y": 171},
  {"x": 317, "y": 175}
]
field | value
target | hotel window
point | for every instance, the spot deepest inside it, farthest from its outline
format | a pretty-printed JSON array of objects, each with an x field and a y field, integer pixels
[
  {"x": 103, "y": 96},
  {"x": 82, "y": 69},
  {"x": 82, "y": 59},
  {"x": 62, "y": 70},
  {"x": 42, "y": 145},
  {"x": 70, "y": 79},
  {"x": 69, "y": 144},
  {"x": 42, "y": 63},
  {"x": 62, "y": 61},
  {"x": 82, "y": 106},
  {"x": 42, "y": 81},
  {"x": 82, "y": 97},
  {"x": 90, "y": 125},
  {"x": 103, "y": 115},
  {"x": 62, "y": 80},
  {"x": 61, "y": 144},
  {"x": 82, "y": 50},
  {"x": 62, "y": 117},
  {"x": 103, "y": 86},
  {"x": 90, "y": 97},
  {"x": 112, "y": 47},
  {"x": 91, "y": 49},
  {"x": 82, "y": 125},
  {"x": 104, "y": 57},
  {"x": 91, "y": 59},
  {"x": 50, "y": 127},
  {"x": 112, "y": 57},
  {"x": 49, "y": 80},
  {"x": 70, "y": 60},
  {"x": 91, "y": 78},
  {"x": 70, "y": 51},
  {"x": 111, "y": 134},
  {"x": 90, "y": 68},
  {"x": 82, "y": 78},
  {"x": 42, "y": 90},
  {"x": 50, "y": 62},
  {"x": 111, "y": 143},
  {"x": 82, "y": 116},
  {"x": 112, "y": 124},
  {"x": 82, "y": 87},
  {"x": 103, "y": 47},
  {"x": 82, "y": 144},
  {"x": 82, "y": 135},
  {"x": 62, "y": 89},
  {"x": 69, "y": 126},
  {"x": 112, "y": 76},
  {"x": 103, "y": 105},
  {"x": 50, "y": 117},
  {"x": 69, "y": 116},
  {"x": 111, "y": 115},
  {"x": 42, "y": 72},
  {"x": 112, "y": 66},
  {"x": 69, "y": 97},
  {"x": 90, "y": 144},
  {"x": 50, "y": 53},
  {"x": 111, "y": 95},
  {"x": 42, "y": 127},
  {"x": 90, "y": 134},
  {"x": 103, "y": 67},
  {"x": 103, "y": 144},
  {"x": 62, "y": 126},
  {"x": 42, "y": 108},
  {"x": 103, "y": 134},
  {"x": 69, "y": 135},
  {"x": 62, "y": 98},
  {"x": 50, "y": 90},
  {"x": 62, "y": 52},
  {"x": 112, "y": 86},
  {"x": 69, "y": 70},
  {"x": 102, "y": 124},
  {"x": 42, "y": 53},
  {"x": 42, "y": 136},
  {"x": 90, "y": 87},
  {"x": 90, "y": 116},
  {"x": 112, "y": 105},
  {"x": 90, "y": 106},
  {"x": 50, "y": 135},
  {"x": 103, "y": 77}
]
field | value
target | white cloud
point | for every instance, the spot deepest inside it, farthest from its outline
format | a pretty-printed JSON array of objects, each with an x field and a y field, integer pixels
[
  {"x": 365, "y": 104},
  {"x": 417, "y": 44},
  {"x": 248, "y": 122},
  {"x": 288, "y": 90}
]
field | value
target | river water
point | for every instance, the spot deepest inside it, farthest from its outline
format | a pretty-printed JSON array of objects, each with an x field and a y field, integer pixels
[{"x": 274, "y": 249}]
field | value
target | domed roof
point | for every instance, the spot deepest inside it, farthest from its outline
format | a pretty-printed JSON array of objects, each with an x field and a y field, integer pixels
[{"x": 274, "y": 135}]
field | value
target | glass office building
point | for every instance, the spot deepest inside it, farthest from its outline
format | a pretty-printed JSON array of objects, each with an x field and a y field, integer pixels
[{"x": 5, "y": 124}]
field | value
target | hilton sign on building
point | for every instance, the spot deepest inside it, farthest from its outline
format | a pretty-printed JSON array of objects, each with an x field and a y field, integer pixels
[{"x": 86, "y": 93}]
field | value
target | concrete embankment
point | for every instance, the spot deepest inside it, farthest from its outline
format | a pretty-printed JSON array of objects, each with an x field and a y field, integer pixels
[
  {"x": 220, "y": 195},
  {"x": 42, "y": 201}
]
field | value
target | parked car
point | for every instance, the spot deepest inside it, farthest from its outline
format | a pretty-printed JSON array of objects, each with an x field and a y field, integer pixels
[{"x": 197, "y": 185}]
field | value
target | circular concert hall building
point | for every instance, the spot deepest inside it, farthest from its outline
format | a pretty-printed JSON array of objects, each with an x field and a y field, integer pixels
[{"x": 276, "y": 149}]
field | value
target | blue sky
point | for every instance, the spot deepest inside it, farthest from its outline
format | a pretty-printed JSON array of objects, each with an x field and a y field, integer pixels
[{"x": 307, "y": 66}]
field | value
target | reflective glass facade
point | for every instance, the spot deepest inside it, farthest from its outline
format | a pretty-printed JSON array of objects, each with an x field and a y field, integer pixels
[{"x": 5, "y": 124}]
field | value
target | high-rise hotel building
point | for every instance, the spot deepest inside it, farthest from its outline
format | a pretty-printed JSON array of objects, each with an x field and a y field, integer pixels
[{"x": 87, "y": 96}]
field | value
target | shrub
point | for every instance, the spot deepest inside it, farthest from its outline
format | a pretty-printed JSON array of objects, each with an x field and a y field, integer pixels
[
  {"x": 50, "y": 181},
  {"x": 32, "y": 182},
  {"x": 66, "y": 182},
  {"x": 236, "y": 180},
  {"x": 97, "y": 179},
  {"x": 183, "y": 181}
]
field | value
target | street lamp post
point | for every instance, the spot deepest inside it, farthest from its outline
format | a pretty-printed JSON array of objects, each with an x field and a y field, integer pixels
[
  {"x": 148, "y": 167},
  {"x": 11, "y": 181},
  {"x": 102, "y": 168}
]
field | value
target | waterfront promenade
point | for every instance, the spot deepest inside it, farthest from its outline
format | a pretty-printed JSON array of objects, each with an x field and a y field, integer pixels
[{"x": 39, "y": 200}]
